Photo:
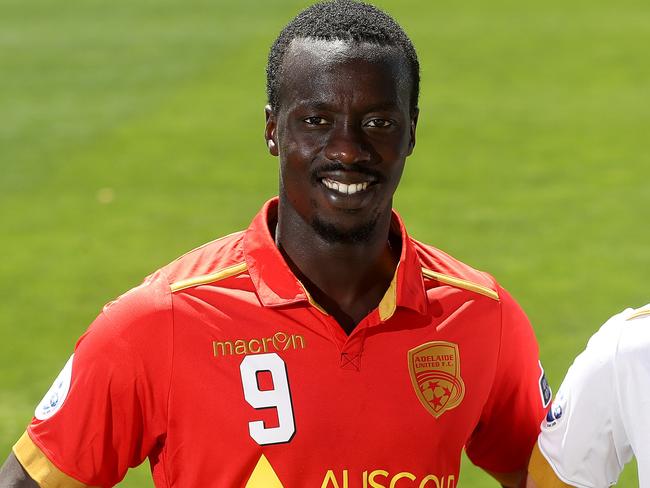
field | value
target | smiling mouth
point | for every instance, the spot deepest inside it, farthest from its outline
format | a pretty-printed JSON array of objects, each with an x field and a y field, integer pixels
[{"x": 345, "y": 188}]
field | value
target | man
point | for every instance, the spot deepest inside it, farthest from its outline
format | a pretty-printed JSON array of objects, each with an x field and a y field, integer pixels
[
  {"x": 600, "y": 416},
  {"x": 322, "y": 346}
]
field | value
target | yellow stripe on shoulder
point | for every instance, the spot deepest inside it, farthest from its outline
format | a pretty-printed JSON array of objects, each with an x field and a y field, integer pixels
[
  {"x": 639, "y": 313},
  {"x": 461, "y": 283},
  {"x": 40, "y": 468},
  {"x": 222, "y": 274}
]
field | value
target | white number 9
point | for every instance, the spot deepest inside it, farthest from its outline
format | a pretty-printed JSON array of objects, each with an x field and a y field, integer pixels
[{"x": 279, "y": 397}]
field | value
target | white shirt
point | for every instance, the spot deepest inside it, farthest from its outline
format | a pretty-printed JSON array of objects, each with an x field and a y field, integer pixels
[{"x": 600, "y": 417}]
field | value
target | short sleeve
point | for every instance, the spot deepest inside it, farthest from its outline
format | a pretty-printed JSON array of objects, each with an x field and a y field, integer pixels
[
  {"x": 509, "y": 422},
  {"x": 582, "y": 437},
  {"x": 632, "y": 369},
  {"x": 107, "y": 410}
]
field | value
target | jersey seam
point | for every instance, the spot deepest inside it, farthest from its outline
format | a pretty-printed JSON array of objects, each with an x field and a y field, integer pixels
[
  {"x": 490, "y": 395},
  {"x": 501, "y": 333},
  {"x": 617, "y": 393},
  {"x": 133, "y": 354},
  {"x": 171, "y": 376}
]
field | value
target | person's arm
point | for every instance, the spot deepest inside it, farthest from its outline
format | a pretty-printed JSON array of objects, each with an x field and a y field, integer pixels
[
  {"x": 507, "y": 429},
  {"x": 106, "y": 410},
  {"x": 584, "y": 441},
  {"x": 13, "y": 475}
]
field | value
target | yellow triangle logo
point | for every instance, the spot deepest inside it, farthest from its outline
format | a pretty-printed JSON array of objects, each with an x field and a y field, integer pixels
[{"x": 263, "y": 476}]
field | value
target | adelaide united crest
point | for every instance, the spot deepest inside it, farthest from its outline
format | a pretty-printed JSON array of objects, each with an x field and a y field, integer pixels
[{"x": 435, "y": 374}]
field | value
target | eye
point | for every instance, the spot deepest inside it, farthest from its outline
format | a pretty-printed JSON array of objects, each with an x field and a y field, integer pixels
[
  {"x": 315, "y": 120},
  {"x": 379, "y": 123}
]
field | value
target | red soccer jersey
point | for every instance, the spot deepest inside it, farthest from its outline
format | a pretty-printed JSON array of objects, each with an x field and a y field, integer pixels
[{"x": 223, "y": 372}]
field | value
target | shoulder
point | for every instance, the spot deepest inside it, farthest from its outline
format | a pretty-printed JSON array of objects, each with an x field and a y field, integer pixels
[
  {"x": 591, "y": 377},
  {"x": 634, "y": 333},
  {"x": 438, "y": 266},
  {"x": 601, "y": 349},
  {"x": 150, "y": 303},
  {"x": 621, "y": 338}
]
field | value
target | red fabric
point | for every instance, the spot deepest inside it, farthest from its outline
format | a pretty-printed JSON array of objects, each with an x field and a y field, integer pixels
[
  {"x": 146, "y": 381},
  {"x": 504, "y": 438}
]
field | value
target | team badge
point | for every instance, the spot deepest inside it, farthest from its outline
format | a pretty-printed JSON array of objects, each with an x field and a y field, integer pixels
[
  {"x": 435, "y": 374},
  {"x": 54, "y": 398}
]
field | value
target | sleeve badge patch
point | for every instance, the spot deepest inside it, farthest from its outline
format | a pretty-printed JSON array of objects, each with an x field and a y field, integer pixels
[
  {"x": 435, "y": 373},
  {"x": 557, "y": 410},
  {"x": 55, "y": 396},
  {"x": 544, "y": 388}
]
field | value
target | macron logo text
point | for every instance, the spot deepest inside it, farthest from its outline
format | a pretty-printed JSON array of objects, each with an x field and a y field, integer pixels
[{"x": 280, "y": 341}]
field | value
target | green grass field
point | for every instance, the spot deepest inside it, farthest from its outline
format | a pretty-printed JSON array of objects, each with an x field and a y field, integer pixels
[{"x": 131, "y": 132}]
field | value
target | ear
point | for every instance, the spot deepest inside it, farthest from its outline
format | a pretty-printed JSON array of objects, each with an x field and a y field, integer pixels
[
  {"x": 414, "y": 124},
  {"x": 270, "y": 133}
]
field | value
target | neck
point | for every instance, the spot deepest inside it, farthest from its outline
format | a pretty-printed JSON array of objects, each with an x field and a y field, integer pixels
[{"x": 347, "y": 279}]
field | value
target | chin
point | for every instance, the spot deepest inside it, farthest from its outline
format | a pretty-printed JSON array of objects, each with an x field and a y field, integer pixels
[{"x": 335, "y": 233}]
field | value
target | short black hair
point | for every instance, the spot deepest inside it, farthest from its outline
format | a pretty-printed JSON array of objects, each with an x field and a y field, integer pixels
[{"x": 346, "y": 20}]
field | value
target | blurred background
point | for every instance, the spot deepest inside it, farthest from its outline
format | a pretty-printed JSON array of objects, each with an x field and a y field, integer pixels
[{"x": 131, "y": 132}]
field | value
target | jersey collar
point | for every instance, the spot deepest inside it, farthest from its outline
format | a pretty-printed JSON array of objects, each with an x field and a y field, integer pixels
[{"x": 277, "y": 286}]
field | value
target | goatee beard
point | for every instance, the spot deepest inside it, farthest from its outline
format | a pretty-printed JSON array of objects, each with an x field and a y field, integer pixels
[{"x": 332, "y": 234}]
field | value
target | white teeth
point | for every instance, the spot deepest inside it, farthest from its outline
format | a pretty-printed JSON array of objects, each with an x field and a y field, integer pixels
[{"x": 344, "y": 188}]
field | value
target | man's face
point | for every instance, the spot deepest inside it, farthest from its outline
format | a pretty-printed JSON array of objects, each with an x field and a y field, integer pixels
[{"x": 343, "y": 130}]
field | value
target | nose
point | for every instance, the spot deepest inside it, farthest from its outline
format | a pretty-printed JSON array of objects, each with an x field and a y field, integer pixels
[{"x": 347, "y": 145}]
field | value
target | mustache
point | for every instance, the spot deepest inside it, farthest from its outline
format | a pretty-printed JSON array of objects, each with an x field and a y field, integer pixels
[{"x": 344, "y": 168}]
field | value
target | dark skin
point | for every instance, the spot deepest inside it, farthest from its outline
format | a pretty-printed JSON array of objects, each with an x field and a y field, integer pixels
[
  {"x": 343, "y": 130},
  {"x": 344, "y": 116},
  {"x": 531, "y": 484},
  {"x": 13, "y": 475}
]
